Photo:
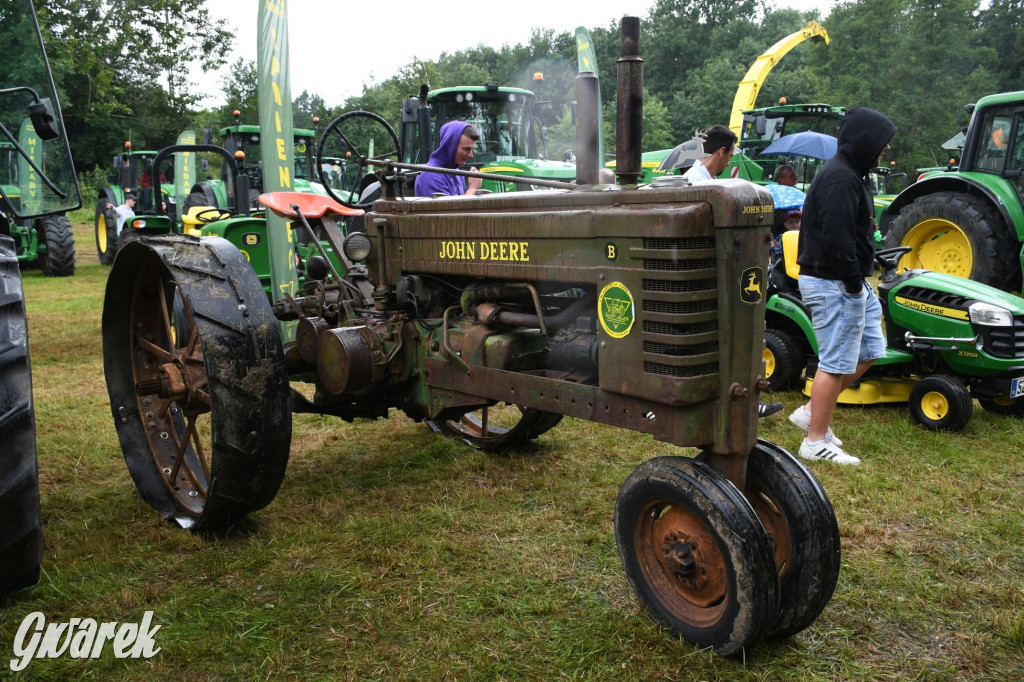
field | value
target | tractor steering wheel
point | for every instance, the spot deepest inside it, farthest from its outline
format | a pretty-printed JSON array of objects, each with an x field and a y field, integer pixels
[
  {"x": 356, "y": 135},
  {"x": 208, "y": 215}
]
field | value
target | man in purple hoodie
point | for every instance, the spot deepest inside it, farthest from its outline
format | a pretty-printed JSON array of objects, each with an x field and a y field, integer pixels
[{"x": 456, "y": 148}]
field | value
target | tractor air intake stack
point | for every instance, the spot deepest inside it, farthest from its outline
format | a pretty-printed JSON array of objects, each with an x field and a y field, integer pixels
[
  {"x": 588, "y": 119},
  {"x": 630, "y": 104}
]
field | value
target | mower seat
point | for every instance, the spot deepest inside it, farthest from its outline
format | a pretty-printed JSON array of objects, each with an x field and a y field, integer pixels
[{"x": 784, "y": 270}]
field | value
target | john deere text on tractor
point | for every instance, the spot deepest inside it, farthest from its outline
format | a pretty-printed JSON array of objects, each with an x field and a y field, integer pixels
[{"x": 32, "y": 128}]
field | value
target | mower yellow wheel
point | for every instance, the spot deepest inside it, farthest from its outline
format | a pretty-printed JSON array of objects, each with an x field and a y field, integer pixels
[
  {"x": 769, "y": 363},
  {"x": 939, "y": 245},
  {"x": 934, "y": 405}
]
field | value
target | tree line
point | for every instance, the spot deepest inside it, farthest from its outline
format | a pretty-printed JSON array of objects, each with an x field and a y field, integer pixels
[{"x": 120, "y": 67}]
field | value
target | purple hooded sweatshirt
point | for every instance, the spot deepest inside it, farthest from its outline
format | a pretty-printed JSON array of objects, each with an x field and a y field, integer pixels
[{"x": 444, "y": 157}]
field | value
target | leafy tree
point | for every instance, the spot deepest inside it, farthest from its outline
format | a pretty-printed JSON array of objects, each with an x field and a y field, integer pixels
[{"x": 120, "y": 67}]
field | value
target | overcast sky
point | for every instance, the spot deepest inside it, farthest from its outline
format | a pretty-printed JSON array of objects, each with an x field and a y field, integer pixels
[{"x": 337, "y": 46}]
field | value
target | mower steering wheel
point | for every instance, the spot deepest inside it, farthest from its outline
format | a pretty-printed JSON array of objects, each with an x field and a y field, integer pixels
[
  {"x": 888, "y": 259},
  {"x": 339, "y": 138}
]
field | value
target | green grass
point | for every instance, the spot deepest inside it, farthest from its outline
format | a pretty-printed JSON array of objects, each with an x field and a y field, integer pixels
[{"x": 391, "y": 553}]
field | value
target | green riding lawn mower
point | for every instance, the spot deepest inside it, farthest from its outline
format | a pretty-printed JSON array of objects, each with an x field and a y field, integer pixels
[
  {"x": 32, "y": 128},
  {"x": 490, "y": 319},
  {"x": 949, "y": 340}
]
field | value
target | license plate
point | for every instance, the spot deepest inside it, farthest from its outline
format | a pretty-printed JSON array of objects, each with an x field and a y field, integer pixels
[{"x": 1017, "y": 387}]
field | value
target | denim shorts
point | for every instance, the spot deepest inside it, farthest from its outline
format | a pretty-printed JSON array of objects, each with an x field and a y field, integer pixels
[{"x": 848, "y": 327}]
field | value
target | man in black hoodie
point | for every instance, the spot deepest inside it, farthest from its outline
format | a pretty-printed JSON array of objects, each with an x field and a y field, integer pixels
[{"x": 836, "y": 253}]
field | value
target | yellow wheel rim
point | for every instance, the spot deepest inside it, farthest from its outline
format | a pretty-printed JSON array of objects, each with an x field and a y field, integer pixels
[
  {"x": 934, "y": 405},
  {"x": 1004, "y": 402},
  {"x": 769, "y": 363},
  {"x": 101, "y": 236},
  {"x": 939, "y": 245}
]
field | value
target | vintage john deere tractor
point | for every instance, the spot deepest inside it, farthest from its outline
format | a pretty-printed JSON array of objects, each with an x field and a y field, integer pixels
[
  {"x": 637, "y": 308},
  {"x": 30, "y": 122}
]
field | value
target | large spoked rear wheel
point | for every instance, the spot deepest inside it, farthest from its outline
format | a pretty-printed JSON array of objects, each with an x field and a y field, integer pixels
[
  {"x": 21, "y": 535},
  {"x": 197, "y": 380},
  {"x": 696, "y": 554},
  {"x": 498, "y": 428},
  {"x": 801, "y": 522}
]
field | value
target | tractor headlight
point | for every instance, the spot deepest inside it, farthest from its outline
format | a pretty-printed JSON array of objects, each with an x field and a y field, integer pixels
[
  {"x": 990, "y": 315},
  {"x": 356, "y": 246}
]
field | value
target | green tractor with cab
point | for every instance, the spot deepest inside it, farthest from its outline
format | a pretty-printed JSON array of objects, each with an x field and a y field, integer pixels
[
  {"x": 512, "y": 140},
  {"x": 36, "y": 147},
  {"x": 968, "y": 219},
  {"x": 43, "y": 242}
]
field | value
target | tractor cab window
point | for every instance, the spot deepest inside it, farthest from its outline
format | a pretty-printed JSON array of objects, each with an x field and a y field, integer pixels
[
  {"x": 503, "y": 124},
  {"x": 994, "y": 143},
  {"x": 31, "y": 123},
  {"x": 1016, "y": 155}
]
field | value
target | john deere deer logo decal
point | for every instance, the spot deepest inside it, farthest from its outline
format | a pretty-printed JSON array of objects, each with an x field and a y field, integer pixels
[
  {"x": 752, "y": 285},
  {"x": 615, "y": 310}
]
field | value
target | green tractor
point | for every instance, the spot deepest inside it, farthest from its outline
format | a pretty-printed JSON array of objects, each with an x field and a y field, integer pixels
[
  {"x": 490, "y": 319},
  {"x": 44, "y": 242},
  {"x": 512, "y": 140},
  {"x": 243, "y": 141},
  {"x": 968, "y": 220},
  {"x": 132, "y": 172},
  {"x": 32, "y": 128}
]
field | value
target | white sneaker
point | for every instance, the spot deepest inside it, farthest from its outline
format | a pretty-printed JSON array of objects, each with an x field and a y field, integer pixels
[
  {"x": 826, "y": 451},
  {"x": 802, "y": 418}
]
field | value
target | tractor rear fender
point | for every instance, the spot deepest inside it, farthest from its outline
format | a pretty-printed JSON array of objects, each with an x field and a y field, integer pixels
[{"x": 992, "y": 188}]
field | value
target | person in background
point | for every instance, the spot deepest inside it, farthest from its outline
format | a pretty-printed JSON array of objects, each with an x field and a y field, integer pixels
[
  {"x": 720, "y": 145},
  {"x": 785, "y": 175},
  {"x": 457, "y": 139},
  {"x": 124, "y": 211}
]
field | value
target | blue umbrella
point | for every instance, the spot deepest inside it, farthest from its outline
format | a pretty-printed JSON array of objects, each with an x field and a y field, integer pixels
[
  {"x": 807, "y": 143},
  {"x": 785, "y": 196}
]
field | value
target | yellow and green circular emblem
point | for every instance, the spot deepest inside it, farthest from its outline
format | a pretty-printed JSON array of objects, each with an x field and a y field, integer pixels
[{"x": 615, "y": 310}]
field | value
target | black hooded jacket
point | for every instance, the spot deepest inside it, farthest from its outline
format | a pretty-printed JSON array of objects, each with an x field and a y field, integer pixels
[{"x": 837, "y": 231}]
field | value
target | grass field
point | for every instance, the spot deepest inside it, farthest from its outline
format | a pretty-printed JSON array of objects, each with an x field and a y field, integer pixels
[{"x": 392, "y": 553}]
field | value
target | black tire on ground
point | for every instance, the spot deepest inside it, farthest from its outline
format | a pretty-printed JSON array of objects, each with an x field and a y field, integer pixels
[
  {"x": 1011, "y": 407},
  {"x": 105, "y": 227},
  {"x": 958, "y": 234},
  {"x": 696, "y": 554},
  {"x": 499, "y": 428},
  {"x": 21, "y": 535},
  {"x": 59, "y": 258},
  {"x": 941, "y": 403},
  {"x": 202, "y": 408},
  {"x": 783, "y": 360},
  {"x": 802, "y": 524}
]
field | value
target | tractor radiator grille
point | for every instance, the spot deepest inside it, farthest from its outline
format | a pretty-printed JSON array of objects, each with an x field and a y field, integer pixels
[
  {"x": 1005, "y": 342},
  {"x": 680, "y": 307}
]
